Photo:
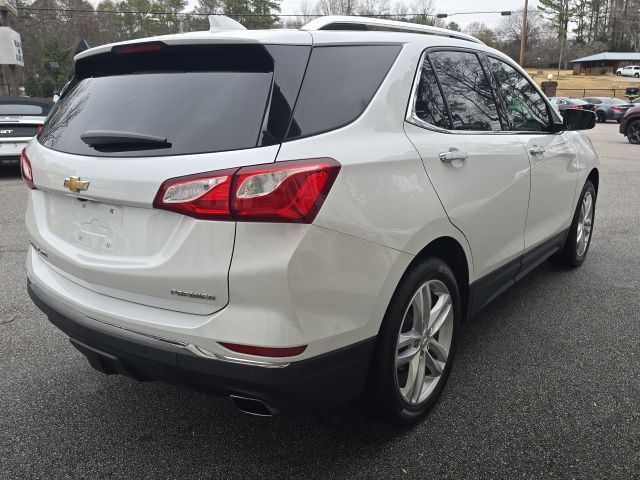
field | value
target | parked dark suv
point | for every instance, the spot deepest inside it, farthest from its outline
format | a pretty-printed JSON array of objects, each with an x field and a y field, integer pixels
[{"x": 630, "y": 125}]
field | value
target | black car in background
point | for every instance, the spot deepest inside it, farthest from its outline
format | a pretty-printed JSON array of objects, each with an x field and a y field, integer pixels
[
  {"x": 563, "y": 103},
  {"x": 21, "y": 118}
]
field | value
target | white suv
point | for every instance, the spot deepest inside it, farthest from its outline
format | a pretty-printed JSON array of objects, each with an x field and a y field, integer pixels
[
  {"x": 629, "y": 71},
  {"x": 298, "y": 218}
]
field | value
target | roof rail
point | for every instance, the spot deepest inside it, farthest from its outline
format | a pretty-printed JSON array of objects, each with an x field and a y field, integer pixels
[{"x": 338, "y": 22}]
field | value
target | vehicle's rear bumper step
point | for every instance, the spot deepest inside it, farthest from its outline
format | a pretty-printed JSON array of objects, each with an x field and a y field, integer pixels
[{"x": 318, "y": 382}]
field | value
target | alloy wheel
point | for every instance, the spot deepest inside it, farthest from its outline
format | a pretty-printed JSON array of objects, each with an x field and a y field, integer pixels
[
  {"x": 424, "y": 342},
  {"x": 585, "y": 224}
]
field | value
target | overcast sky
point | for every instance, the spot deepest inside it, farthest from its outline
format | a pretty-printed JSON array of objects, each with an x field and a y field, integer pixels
[{"x": 452, "y": 6}]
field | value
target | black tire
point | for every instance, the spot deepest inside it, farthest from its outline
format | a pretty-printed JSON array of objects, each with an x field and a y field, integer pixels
[
  {"x": 602, "y": 117},
  {"x": 637, "y": 75},
  {"x": 633, "y": 132},
  {"x": 569, "y": 255},
  {"x": 382, "y": 397},
  {"x": 619, "y": 74}
]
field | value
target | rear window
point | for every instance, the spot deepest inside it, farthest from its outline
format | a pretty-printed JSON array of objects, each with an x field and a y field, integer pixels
[
  {"x": 201, "y": 99},
  {"x": 8, "y": 109},
  {"x": 339, "y": 84}
]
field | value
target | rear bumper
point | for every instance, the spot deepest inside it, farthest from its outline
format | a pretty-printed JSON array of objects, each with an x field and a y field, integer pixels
[{"x": 325, "y": 380}]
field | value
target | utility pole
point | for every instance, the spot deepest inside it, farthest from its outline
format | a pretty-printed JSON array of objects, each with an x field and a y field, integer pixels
[{"x": 523, "y": 36}]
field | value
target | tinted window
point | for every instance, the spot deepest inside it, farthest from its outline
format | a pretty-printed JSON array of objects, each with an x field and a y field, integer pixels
[
  {"x": 17, "y": 109},
  {"x": 466, "y": 90},
  {"x": 526, "y": 108},
  {"x": 338, "y": 86},
  {"x": 429, "y": 105},
  {"x": 201, "y": 99}
]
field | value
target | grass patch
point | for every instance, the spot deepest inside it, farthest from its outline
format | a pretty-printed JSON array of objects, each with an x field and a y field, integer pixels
[{"x": 570, "y": 85}]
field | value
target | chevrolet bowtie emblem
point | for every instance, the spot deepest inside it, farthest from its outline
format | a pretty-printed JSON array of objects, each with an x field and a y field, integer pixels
[{"x": 75, "y": 184}]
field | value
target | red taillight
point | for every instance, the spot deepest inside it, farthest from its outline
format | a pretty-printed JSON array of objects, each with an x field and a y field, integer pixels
[
  {"x": 264, "y": 351},
  {"x": 291, "y": 191},
  {"x": 25, "y": 170},
  {"x": 39, "y": 128},
  {"x": 204, "y": 195},
  {"x": 618, "y": 108},
  {"x": 283, "y": 192},
  {"x": 138, "y": 48}
]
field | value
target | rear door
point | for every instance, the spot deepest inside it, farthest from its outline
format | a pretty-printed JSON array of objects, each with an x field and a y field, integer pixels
[
  {"x": 553, "y": 162},
  {"x": 480, "y": 173},
  {"x": 200, "y": 108}
]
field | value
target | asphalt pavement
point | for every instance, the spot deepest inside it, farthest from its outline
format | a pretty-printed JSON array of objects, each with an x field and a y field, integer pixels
[{"x": 546, "y": 383}]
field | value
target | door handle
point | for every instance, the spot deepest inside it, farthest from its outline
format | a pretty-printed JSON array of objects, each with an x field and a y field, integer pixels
[
  {"x": 536, "y": 150},
  {"x": 453, "y": 154}
]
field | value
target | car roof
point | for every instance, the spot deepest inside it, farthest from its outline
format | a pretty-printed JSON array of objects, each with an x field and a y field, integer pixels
[{"x": 322, "y": 31}]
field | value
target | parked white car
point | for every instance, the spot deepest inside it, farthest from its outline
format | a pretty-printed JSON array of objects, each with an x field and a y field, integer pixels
[
  {"x": 21, "y": 118},
  {"x": 298, "y": 218},
  {"x": 629, "y": 71}
]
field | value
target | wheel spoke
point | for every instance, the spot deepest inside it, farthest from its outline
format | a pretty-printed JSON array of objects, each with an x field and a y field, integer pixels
[
  {"x": 412, "y": 377},
  {"x": 440, "y": 313},
  {"x": 421, "y": 304},
  {"x": 419, "y": 381},
  {"x": 438, "y": 350},
  {"x": 435, "y": 367},
  {"x": 406, "y": 356},
  {"x": 588, "y": 203}
]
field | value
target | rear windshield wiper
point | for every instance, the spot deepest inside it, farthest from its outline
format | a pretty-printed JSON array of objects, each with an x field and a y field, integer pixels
[{"x": 113, "y": 138}]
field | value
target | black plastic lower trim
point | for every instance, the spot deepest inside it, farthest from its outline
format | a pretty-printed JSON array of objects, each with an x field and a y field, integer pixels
[
  {"x": 487, "y": 288},
  {"x": 329, "y": 379}
]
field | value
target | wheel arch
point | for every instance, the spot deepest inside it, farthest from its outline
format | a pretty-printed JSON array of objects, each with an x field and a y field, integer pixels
[{"x": 449, "y": 250}]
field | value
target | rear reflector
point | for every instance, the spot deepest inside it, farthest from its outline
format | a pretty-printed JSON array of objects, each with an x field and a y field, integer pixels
[
  {"x": 264, "y": 351},
  {"x": 138, "y": 48},
  {"x": 25, "y": 169},
  {"x": 291, "y": 191}
]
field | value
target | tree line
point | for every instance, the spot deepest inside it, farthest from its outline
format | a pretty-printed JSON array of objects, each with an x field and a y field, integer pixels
[{"x": 51, "y": 29}]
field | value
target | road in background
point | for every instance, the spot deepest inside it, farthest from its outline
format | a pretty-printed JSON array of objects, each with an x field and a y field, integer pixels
[{"x": 546, "y": 383}]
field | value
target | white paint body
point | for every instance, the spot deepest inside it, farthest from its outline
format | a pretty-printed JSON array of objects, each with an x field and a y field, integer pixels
[{"x": 326, "y": 285}]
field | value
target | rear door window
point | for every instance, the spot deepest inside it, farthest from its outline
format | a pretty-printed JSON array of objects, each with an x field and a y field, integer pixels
[
  {"x": 339, "y": 84},
  {"x": 429, "y": 104},
  {"x": 466, "y": 90},
  {"x": 199, "y": 98}
]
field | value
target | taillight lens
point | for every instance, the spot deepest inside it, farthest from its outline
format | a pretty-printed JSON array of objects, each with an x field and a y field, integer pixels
[
  {"x": 25, "y": 170},
  {"x": 290, "y": 191},
  {"x": 39, "y": 128},
  {"x": 264, "y": 351},
  {"x": 283, "y": 192},
  {"x": 203, "y": 195}
]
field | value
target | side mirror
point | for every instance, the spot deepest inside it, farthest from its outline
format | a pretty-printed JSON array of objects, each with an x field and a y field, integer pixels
[{"x": 579, "y": 119}]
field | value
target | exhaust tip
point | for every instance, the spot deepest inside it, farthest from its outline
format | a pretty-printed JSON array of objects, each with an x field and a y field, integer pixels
[{"x": 252, "y": 406}]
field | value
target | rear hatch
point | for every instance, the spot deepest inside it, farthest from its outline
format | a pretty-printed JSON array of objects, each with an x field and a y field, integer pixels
[{"x": 132, "y": 118}]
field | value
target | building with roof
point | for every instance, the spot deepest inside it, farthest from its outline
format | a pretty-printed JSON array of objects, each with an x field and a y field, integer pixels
[{"x": 609, "y": 61}]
